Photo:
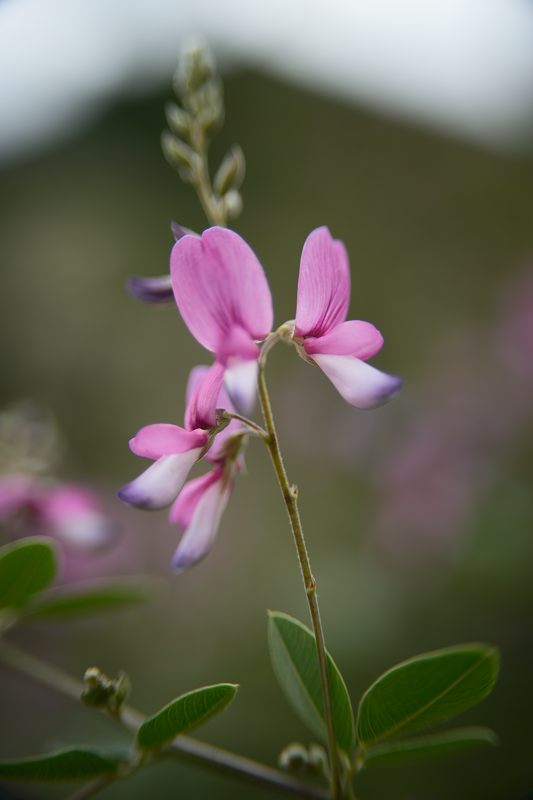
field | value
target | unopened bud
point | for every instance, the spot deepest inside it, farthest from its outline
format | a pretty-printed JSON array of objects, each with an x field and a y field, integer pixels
[
  {"x": 298, "y": 759},
  {"x": 233, "y": 203},
  {"x": 195, "y": 69},
  {"x": 293, "y": 758},
  {"x": 230, "y": 174},
  {"x": 175, "y": 151},
  {"x": 178, "y": 120},
  {"x": 103, "y": 692}
]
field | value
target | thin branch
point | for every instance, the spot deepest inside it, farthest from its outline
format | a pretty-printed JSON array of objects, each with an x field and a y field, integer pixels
[{"x": 200, "y": 753}]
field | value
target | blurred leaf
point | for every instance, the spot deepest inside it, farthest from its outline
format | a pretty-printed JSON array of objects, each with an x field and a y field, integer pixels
[
  {"x": 186, "y": 712},
  {"x": 295, "y": 661},
  {"x": 426, "y": 690},
  {"x": 26, "y": 567},
  {"x": 438, "y": 745},
  {"x": 72, "y": 764},
  {"x": 95, "y": 600}
]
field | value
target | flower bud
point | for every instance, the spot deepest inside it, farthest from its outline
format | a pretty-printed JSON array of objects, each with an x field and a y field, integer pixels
[
  {"x": 178, "y": 120},
  {"x": 195, "y": 69},
  {"x": 298, "y": 759},
  {"x": 179, "y": 155},
  {"x": 151, "y": 290},
  {"x": 230, "y": 174},
  {"x": 105, "y": 693},
  {"x": 233, "y": 203},
  {"x": 293, "y": 758}
]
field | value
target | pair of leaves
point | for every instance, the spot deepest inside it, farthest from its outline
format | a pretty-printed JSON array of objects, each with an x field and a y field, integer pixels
[
  {"x": 29, "y": 566},
  {"x": 80, "y": 764},
  {"x": 416, "y": 694}
]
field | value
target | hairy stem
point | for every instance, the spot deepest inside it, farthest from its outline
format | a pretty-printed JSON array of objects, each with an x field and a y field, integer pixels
[
  {"x": 290, "y": 496},
  {"x": 183, "y": 747}
]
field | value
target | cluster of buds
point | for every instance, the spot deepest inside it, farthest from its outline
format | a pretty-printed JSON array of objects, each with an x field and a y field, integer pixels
[
  {"x": 192, "y": 121},
  {"x": 308, "y": 762},
  {"x": 107, "y": 694}
]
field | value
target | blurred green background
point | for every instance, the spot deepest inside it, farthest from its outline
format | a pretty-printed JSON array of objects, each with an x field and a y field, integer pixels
[{"x": 418, "y": 515}]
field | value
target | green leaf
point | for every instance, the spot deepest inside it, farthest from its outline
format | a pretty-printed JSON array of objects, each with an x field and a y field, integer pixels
[
  {"x": 438, "y": 745},
  {"x": 97, "y": 599},
  {"x": 295, "y": 661},
  {"x": 184, "y": 713},
  {"x": 426, "y": 690},
  {"x": 26, "y": 567},
  {"x": 73, "y": 764}
]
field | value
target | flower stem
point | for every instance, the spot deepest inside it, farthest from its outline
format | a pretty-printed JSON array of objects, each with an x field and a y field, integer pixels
[
  {"x": 290, "y": 496},
  {"x": 201, "y": 179},
  {"x": 184, "y": 747}
]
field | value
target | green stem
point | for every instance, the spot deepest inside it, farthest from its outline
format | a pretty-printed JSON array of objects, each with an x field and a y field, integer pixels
[
  {"x": 92, "y": 788},
  {"x": 290, "y": 496},
  {"x": 201, "y": 181},
  {"x": 185, "y": 747}
]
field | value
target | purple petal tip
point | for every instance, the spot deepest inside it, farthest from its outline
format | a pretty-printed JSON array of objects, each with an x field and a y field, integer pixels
[{"x": 151, "y": 290}]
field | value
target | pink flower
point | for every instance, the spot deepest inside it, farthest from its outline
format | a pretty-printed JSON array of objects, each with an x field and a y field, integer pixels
[
  {"x": 200, "y": 503},
  {"x": 222, "y": 294},
  {"x": 339, "y": 347},
  {"x": 69, "y": 512},
  {"x": 173, "y": 449},
  {"x": 73, "y": 513},
  {"x": 198, "y": 511}
]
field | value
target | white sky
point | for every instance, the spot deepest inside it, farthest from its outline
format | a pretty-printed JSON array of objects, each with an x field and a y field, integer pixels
[{"x": 465, "y": 66}]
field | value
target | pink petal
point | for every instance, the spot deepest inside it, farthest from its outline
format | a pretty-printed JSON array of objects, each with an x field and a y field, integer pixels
[
  {"x": 353, "y": 338},
  {"x": 240, "y": 381},
  {"x": 203, "y": 402},
  {"x": 160, "y": 484},
  {"x": 323, "y": 285},
  {"x": 218, "y": 283},
  {"x": 162, "y": 439},
  {"x": 358, "y": 383},
  {"x": 189, "y": 497},
  {"x": 203, "y": 528},
  {"x": 237, "y": 344},
  {"x": 74, "y": 514}
]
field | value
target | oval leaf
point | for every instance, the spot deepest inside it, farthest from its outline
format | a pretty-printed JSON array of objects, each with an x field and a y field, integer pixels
[
  {"x": 426, "y": 690},
  {"x": 26, "y": 567},
  {"x": 439, "y": 745},
  {"x": 186, "y": 712},
  {"x": 73, "y": 764},
  {"x": 295, "y": 661},
  {"x": 98, "y": 599}
]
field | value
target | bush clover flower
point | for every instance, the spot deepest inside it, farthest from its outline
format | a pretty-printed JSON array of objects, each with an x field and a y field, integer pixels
[
  {"x": 339, "y": 347},
  {"x": 223, "y": 296}
]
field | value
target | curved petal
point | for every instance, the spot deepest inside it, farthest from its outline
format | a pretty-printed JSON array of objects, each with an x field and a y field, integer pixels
[
  {"x": 240, "y": 380},
  {"x": 203, "y": 401},
  {"x": 160, "y": 484},
  {"x": 189, "y": 497},
  {"x": 198, "y": 539},
  {"x": 358, "y": 383},
  {"x": 162, "y": 439},
  {"x": 323, "y": 285},
  {"x": 151, "y": 290},
  {"x": 237, "y": 344},
  {"x": 353, "y": 338},
  {"x": 218, "y": 282}
]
